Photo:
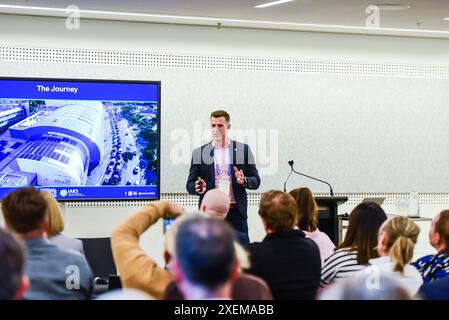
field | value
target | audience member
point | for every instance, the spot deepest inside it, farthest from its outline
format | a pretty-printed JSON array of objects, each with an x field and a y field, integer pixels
[
  {"x": 397, "y": 239},
  {"x": 205, "y": 264},
  {"x": 308, "y": 221},
  {"x": 54, "y": 273},
  {"x": 288, "y": 261},
  {"x": 215, "y": 204},
  {"x": 246, "y": 287},
  {"x": 435, "y": 290},
  {"x": 56, "y": 226},
  {"x": 13, "y": 281},
  {"x": 365, "y": 286},
  {"x": 353, "y": 254},
  {"x": 436, "y": 266}
]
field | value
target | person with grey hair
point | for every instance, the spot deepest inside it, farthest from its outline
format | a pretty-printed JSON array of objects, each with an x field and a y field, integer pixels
[{"x": 205, "y": 263}]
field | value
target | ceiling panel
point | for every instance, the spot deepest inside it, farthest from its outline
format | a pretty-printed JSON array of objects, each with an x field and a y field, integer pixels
[{"x": 423, "y": 14}]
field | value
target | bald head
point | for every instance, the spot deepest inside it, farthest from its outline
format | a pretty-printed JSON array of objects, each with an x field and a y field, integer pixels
[{"x": 215, "y": 204}]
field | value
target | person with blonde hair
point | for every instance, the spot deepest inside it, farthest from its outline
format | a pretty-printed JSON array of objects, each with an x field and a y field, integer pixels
[
  {"x": 308, "y": 221},
  {"x": 397, "y": 239},
  {"x": 56, "y": 226}
]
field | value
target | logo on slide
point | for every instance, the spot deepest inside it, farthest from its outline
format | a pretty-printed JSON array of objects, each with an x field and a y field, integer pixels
[{"x": 63, "y": 193}]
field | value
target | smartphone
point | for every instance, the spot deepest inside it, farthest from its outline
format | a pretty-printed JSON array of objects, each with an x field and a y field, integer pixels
[{"x": 167, "y": 223}]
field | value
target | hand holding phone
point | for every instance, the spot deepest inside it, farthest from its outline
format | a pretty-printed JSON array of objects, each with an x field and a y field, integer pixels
[
  {"x": 167, "y": 223},
  {"x": 200, "y": 186},
  {"x": 174, "y": 210}
]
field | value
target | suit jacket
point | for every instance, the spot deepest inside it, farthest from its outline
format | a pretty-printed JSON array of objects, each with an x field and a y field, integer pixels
[
  {"x": 289, "y": 263},
  {"x": 202, "y": 165},
  {"x": 46, "y": 266},
  {"x": 67, "y": 243}
]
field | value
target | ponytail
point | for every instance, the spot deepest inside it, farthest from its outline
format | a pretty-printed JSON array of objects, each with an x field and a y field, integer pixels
[
  {"x": 401, "y": 253},
  {"x": 402, "y": 234}
]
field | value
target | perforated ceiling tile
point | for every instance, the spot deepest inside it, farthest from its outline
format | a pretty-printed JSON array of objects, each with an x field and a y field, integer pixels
[{"x": 166, "y": 60}]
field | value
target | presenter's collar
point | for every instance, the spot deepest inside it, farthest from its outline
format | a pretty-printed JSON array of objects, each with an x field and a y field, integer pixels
[{"x": 226, "y": 146}]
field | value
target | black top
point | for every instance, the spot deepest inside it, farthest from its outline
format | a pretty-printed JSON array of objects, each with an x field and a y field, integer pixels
[{"x": 289, "y": 262}]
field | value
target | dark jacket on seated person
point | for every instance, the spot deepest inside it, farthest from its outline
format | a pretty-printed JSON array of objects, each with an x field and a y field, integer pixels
[
  {"x": 242, "y": 238},
  {"x": 436, "y": 290},
  {"x": 246, "y": 287},
  {"x": 289, "y": 263},
  {"x": 56, "y": 274}
]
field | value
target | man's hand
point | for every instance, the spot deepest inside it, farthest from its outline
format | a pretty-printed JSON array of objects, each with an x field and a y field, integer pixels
[
  {"x": 175, "y": 209},
  {"x": 200, "y": 186},
  {"x": 239, "y": 176}
]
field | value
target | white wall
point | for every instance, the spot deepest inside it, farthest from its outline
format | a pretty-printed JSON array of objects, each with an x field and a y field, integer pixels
[
  {"x": 47, "y": 32},
  {"x": 51, "y": 32}
]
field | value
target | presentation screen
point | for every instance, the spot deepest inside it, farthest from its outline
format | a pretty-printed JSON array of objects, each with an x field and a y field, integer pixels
[{"x": 80, "y": 139}]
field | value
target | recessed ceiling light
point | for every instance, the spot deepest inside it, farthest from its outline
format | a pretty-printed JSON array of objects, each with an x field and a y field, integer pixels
[
  {"x": 272, "y": 3},
  {"x": 392, "y": 6}
]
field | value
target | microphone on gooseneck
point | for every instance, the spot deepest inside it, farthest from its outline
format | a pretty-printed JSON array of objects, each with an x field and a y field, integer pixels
[
  {"x": 290, "y": 163},
  {"x": 291, "y": 171}
]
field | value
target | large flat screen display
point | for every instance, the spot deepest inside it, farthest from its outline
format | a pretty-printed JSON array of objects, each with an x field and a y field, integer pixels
[{"x": 80, "y": 139}]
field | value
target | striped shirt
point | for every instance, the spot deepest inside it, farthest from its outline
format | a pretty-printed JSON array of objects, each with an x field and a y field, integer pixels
[
  {"x": 433, "y": 267},
  {"x": 341, "y": 264}
]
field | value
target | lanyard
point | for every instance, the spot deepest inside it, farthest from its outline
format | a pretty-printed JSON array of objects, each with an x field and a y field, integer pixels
[{"x": 217, "y": 166}]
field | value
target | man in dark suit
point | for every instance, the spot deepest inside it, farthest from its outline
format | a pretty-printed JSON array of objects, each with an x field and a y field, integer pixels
[{"x": 227, "y": 165}]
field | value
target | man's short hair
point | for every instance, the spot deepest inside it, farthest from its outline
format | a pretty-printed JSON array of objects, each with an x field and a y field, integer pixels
[
  {"x": 24, "y": 209},
  {"x": 220, "y": 113},
  {"x": 12, "y": 263},
  {"x": 205, "y": 251},
  {"x": 279, "y": 211}
]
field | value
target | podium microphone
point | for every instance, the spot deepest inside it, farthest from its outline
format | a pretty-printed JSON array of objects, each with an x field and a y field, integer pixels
[
  {"x": 290, "y": 163},
  {"x": 291, "y": 171}
]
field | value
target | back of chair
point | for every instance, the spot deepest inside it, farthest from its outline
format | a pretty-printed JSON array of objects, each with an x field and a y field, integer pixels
[{"x": 98, "y": 254}]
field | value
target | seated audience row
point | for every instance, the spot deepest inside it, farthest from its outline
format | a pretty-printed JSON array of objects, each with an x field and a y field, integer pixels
[{"x": 205, "y": 260}]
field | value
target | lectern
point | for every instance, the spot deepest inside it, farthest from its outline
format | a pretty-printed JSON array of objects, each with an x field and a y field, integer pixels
[{"x": 328, "y": 215}]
